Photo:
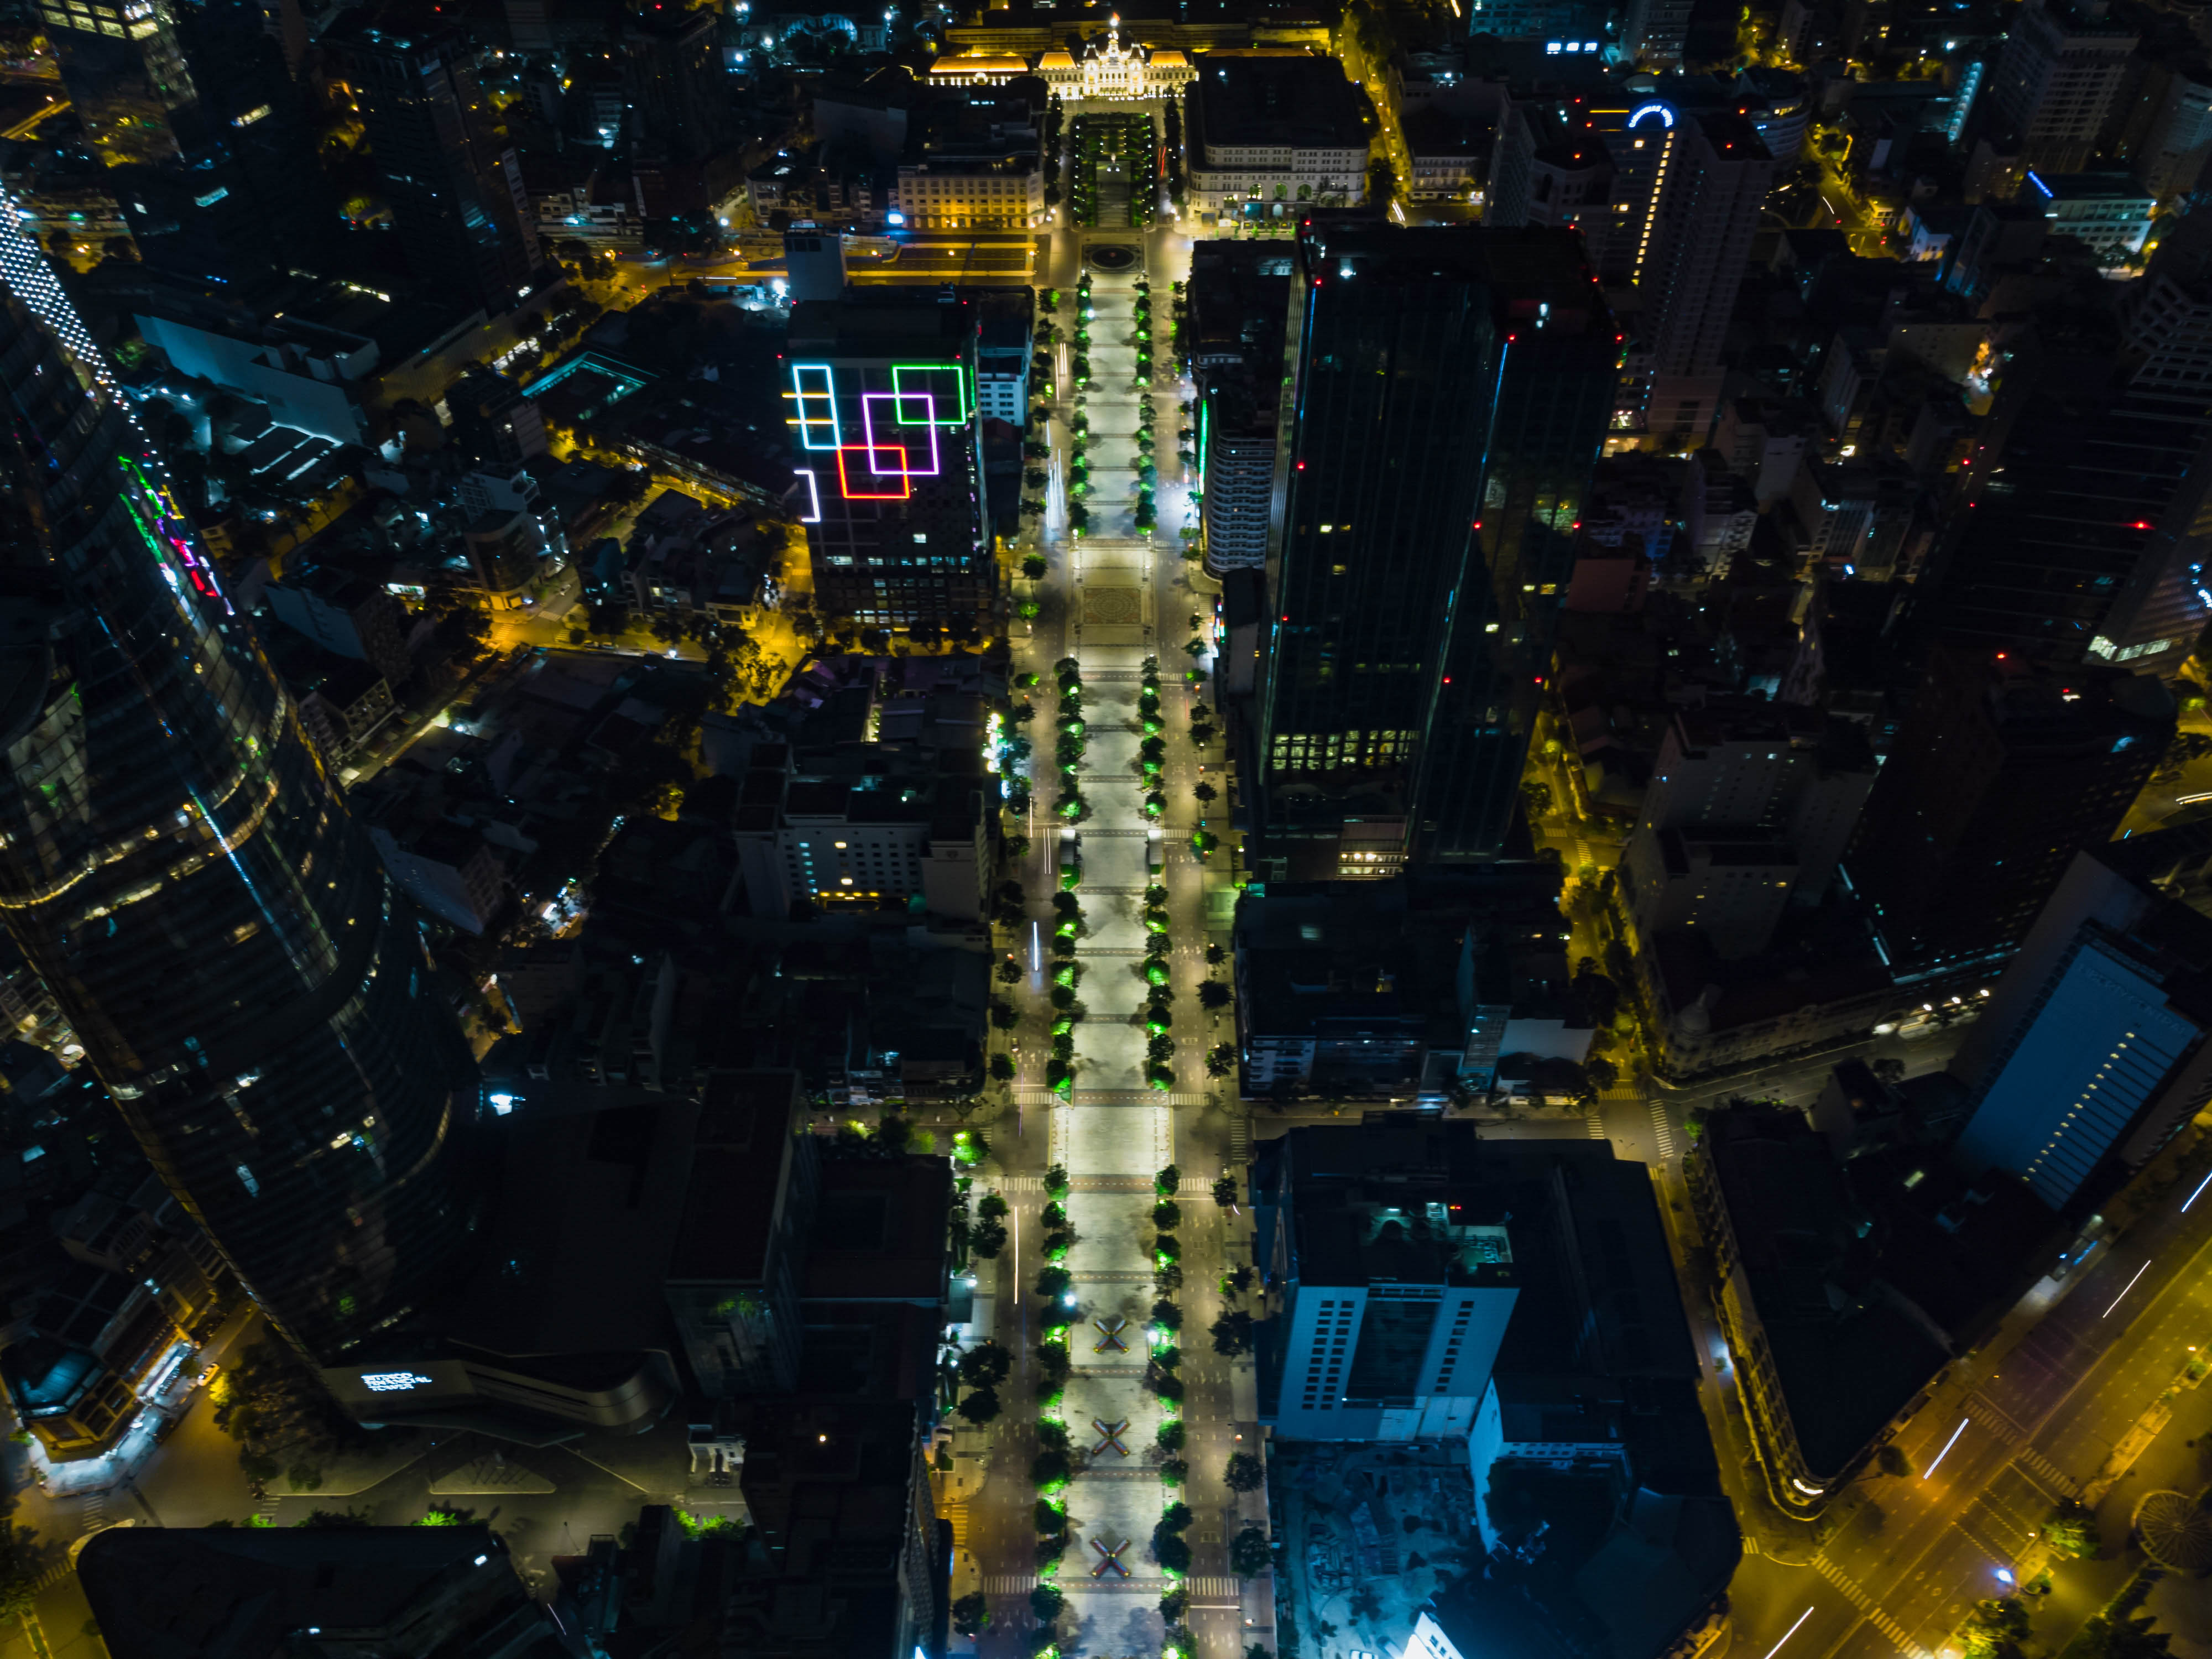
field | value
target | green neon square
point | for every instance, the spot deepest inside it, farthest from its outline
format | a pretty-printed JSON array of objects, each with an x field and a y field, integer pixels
[{"x": 963, "y": 396}]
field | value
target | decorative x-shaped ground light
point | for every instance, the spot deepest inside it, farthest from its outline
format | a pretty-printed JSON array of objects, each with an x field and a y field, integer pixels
[
  {"x": 1110, "y": 1337},
  {"x": 1108, "y": 1557},
  {"x": 1109, "y": 1435}
]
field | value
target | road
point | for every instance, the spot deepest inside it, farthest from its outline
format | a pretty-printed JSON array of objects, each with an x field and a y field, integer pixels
[
  {"x": 1110, "y": 599},
  {"x": 2008, "y": 1432},
  {"x": 918, "y": 257}
]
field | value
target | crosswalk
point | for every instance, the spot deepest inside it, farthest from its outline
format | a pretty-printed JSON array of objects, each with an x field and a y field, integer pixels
[
  {"x": 2039, "y": 1470},
  {"x": 2047, "y": 1474},
  {"x": 1021, "y": 1583},
  {"x": 1136, "y": 1097},
  {"x": 1595, "y": 1125},
  {"x": 1662, "y": 1132},
  {"x": 1858, "y": 1598}
]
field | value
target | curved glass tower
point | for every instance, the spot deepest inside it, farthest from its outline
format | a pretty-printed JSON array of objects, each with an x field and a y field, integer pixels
[{"x": 177, "y": 864}]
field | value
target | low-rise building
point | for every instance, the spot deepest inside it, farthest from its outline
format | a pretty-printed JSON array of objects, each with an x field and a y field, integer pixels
[
  {"x": 346, "y": 614},
  {"x": 1318, "y": 1007},
  {"x": 862, "y": 826},
  {"x": 1450, "y": 155},
  {"x": 1006, "y": 325},
  {"x": 1846, "y": 1286},
  {"x": 1730, "y": 885},
  {"x": 449, "y": 869},
  {"x": 343, "y": 704},
  {"x": 1239, "y": 293},
  {"x": 2109, "y": 211},
  {"x": 973, "y": 163},
  {"x": 1270, "y": 128},
  {"x": 507, "y": 554}
]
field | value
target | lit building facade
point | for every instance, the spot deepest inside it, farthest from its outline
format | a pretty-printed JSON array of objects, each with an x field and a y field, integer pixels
[
  {"x": 938, "y": 194},
  {"x": 185, "y": 875},
  {"x": 881, "y": 398},
  {"x": 1110, "y": 71}
]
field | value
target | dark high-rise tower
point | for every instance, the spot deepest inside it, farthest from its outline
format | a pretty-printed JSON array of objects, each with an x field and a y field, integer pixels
[
  {"x": 2004, "y": 771},
  {"x": 177, "y": 865},
  {"x": 191, "y": 106},
  {"x": 454, "y": 184},
  {"x": 1450, "y": 389}
]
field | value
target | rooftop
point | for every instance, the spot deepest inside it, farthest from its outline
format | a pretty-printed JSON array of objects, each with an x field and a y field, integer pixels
[{"x": 1302, "y": 102}]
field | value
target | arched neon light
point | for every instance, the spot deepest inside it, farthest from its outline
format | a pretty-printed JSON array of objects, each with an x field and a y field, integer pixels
[{"x": 1665, "y": 114}]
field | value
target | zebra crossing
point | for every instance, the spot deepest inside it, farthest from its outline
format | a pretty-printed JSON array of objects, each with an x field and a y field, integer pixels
[
  {"x": 1662, "y": 1132},
  {"x": 1858, "y": 1598},
  {"x": 2046, "y": 1473},
  {"x": 1021, "y": 1583},
  {"x": 2039, "y": 1470},
  {"x": 1595, "y": 1125}
]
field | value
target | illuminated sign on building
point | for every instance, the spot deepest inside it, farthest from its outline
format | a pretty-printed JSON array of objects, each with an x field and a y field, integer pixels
[
  {"x": 1637, "y": 116},
  {"x": 394, "y": 1382},
  {"x": 899, "y": 439}
]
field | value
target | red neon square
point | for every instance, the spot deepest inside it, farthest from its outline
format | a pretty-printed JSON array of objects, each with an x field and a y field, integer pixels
[{"x": 905, "y": 478}]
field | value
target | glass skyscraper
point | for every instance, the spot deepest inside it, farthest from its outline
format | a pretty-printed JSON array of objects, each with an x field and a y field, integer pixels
[
  {"x": 1450, "y": 391},
  {"x": 190, "y": 106},
  {"x": 177, "y": 864}
]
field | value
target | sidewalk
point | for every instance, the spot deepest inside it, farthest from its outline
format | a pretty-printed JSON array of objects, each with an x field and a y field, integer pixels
[{"x": 159, "y": 1411}]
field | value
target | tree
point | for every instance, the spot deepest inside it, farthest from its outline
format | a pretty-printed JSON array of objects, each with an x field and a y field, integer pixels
[
  {"x": 1244, "y": 1473},
  {"x": 980, "y": 1406},
  {"x": 1536, "y": 796},
  {"x": 1002, "y": 1069},
  {"x": 1601, "y": 1071},
  {"x": 985, "y": 1366},
  {"x": 1249, "y": 1554},
  {"x": 2185, "y": 747},
  {"x": 1600, "y": 996},
  {"x": 1382, "y": 183},
  {"x": 971, "y": 1613},
  {"x": 1233, "y": 1333},
  {"x": 21, "y": 1566},
  {"x": 2122, "y": 1636},
  {"x": 1046, "y": 1602},
  {"x": 988, "y": 1238},
  {"x": 2072, "y": 1533},
  {"x": 1224, "y": 1193},
  {"x": 1213, "y": 994},
  {"x": 1995, "y": 1629},
  {"x": 1204, "y": 793}
]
